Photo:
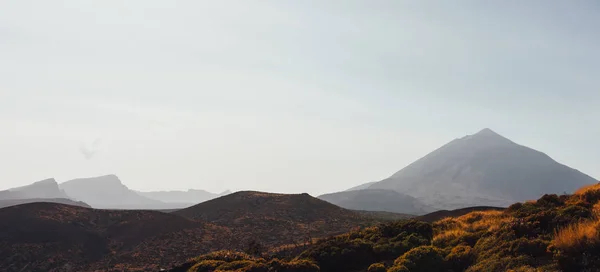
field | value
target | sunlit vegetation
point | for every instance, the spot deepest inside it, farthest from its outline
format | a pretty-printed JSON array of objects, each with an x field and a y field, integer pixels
[{"x": 553, "y": 233}]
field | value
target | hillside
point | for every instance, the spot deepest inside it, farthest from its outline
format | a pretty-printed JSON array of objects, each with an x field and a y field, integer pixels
[
  {"x": 56, "y": 237},
  {"x": 377, "y": 200},
  {"x": 554, "y": 233},
  {"x": 484, "y": 169},
  {"x": 108, "y": 192},
  {"x": 276, "y": 218},
  {"x": 362, "y": 186}
]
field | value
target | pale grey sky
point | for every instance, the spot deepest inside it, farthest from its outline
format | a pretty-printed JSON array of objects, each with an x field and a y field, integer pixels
[{"x": 287, "y": 96}]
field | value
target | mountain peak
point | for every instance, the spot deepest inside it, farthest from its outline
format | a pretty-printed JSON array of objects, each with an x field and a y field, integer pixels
[
  {"x": 49, "y": 181},
  {"x": 487, "y": 131},
  {"x": 487, "y": 136}
]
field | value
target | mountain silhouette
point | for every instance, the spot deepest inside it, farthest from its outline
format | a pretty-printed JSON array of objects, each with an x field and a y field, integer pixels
[
  {"x": 362, "y": 186},
  {"x": 13, "y": 202},
  {"x": 187, "y": 198},
  {"x": 484, "y": 169},
  {"x": 108, "y": 192},
  {"x": 377, "y": 200},
  {"x": 47, "y": 188}
]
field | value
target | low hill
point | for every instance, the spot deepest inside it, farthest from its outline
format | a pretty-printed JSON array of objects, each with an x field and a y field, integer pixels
[
  {"x": 484, "y": 169},
  {"x": 276, "y": 218},
  {"x": 56, "y": 237},
  {"x": 377, "y": 200},
  {"x": 555, "y": 233},
  {"x": 13, "y": 202},
  {"x": 108, "y": 192}
]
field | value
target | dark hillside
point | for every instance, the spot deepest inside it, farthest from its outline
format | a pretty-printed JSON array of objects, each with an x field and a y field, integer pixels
[
  {"x": 56, "y": 237},
  {"x": 276, "y": 218}
]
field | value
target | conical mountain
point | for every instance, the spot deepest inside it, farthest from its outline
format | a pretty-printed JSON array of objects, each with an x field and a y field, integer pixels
[{"x": 483, "y": 169}]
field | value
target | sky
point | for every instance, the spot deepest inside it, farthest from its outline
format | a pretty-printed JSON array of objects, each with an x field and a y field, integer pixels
[{"x": 287, "y": 96}]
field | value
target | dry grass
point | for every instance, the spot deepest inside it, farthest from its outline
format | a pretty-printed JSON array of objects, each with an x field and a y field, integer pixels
[
  {"x": 484, "y": 220},
  {"x": 585, "y": 189},
  {"x": 449, "y": 235},
  {"x": 577, "y": 235},
  {"x": 447, "y": 224}
]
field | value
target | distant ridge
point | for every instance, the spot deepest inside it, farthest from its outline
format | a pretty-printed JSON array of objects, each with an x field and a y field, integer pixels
[
  {"x": 377, "y": 200},
  {"x": 362, "y": 186},
  {"x": 188, "y": 198},
  {"x": 47, "y": 188},
  {"x": 484, "y": 169},
  {"x": 108, "y": 192}
]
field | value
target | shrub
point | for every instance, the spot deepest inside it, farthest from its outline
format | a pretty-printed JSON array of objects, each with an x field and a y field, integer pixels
[
  {"x": 206, "y": 266},
  {"x": 299, "y": 266},
  {"x": 460, "y": 258},
  {"x": 254, "y": 248},
  {"x": 376, "y": 267},
  {"x": 531, "y": 247},
  {"x": 235, "y": 265},
  {"x": 341, "y": 254},
  {"x": 224, "y": 255},
  {"x": 421, "y": 259}
]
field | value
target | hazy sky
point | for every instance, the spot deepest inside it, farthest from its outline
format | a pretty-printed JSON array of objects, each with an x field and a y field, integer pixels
[{"x": 287, "y": 96}]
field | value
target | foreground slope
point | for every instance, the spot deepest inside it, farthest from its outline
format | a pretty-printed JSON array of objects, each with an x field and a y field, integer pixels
[
  {"x": 484, "y": 169},
  {"x": 56, "y": 237},
  {"x": 276, "y": 218},
  {"x": 554, "y": 233},
  {"x": 377, "y": 200}
]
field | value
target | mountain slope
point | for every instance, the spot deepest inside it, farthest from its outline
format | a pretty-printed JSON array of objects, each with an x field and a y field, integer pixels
[
  {"x": 56, "y": 237},
  {"x": 47, "y": 188},
  {"x": 362, "y": 186},
  {"x": 108, "y": 192},
  {"x": 377, "y": 200},
  {"x": 484, "y": 169},
  {"x": 273, "y": 218}
]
